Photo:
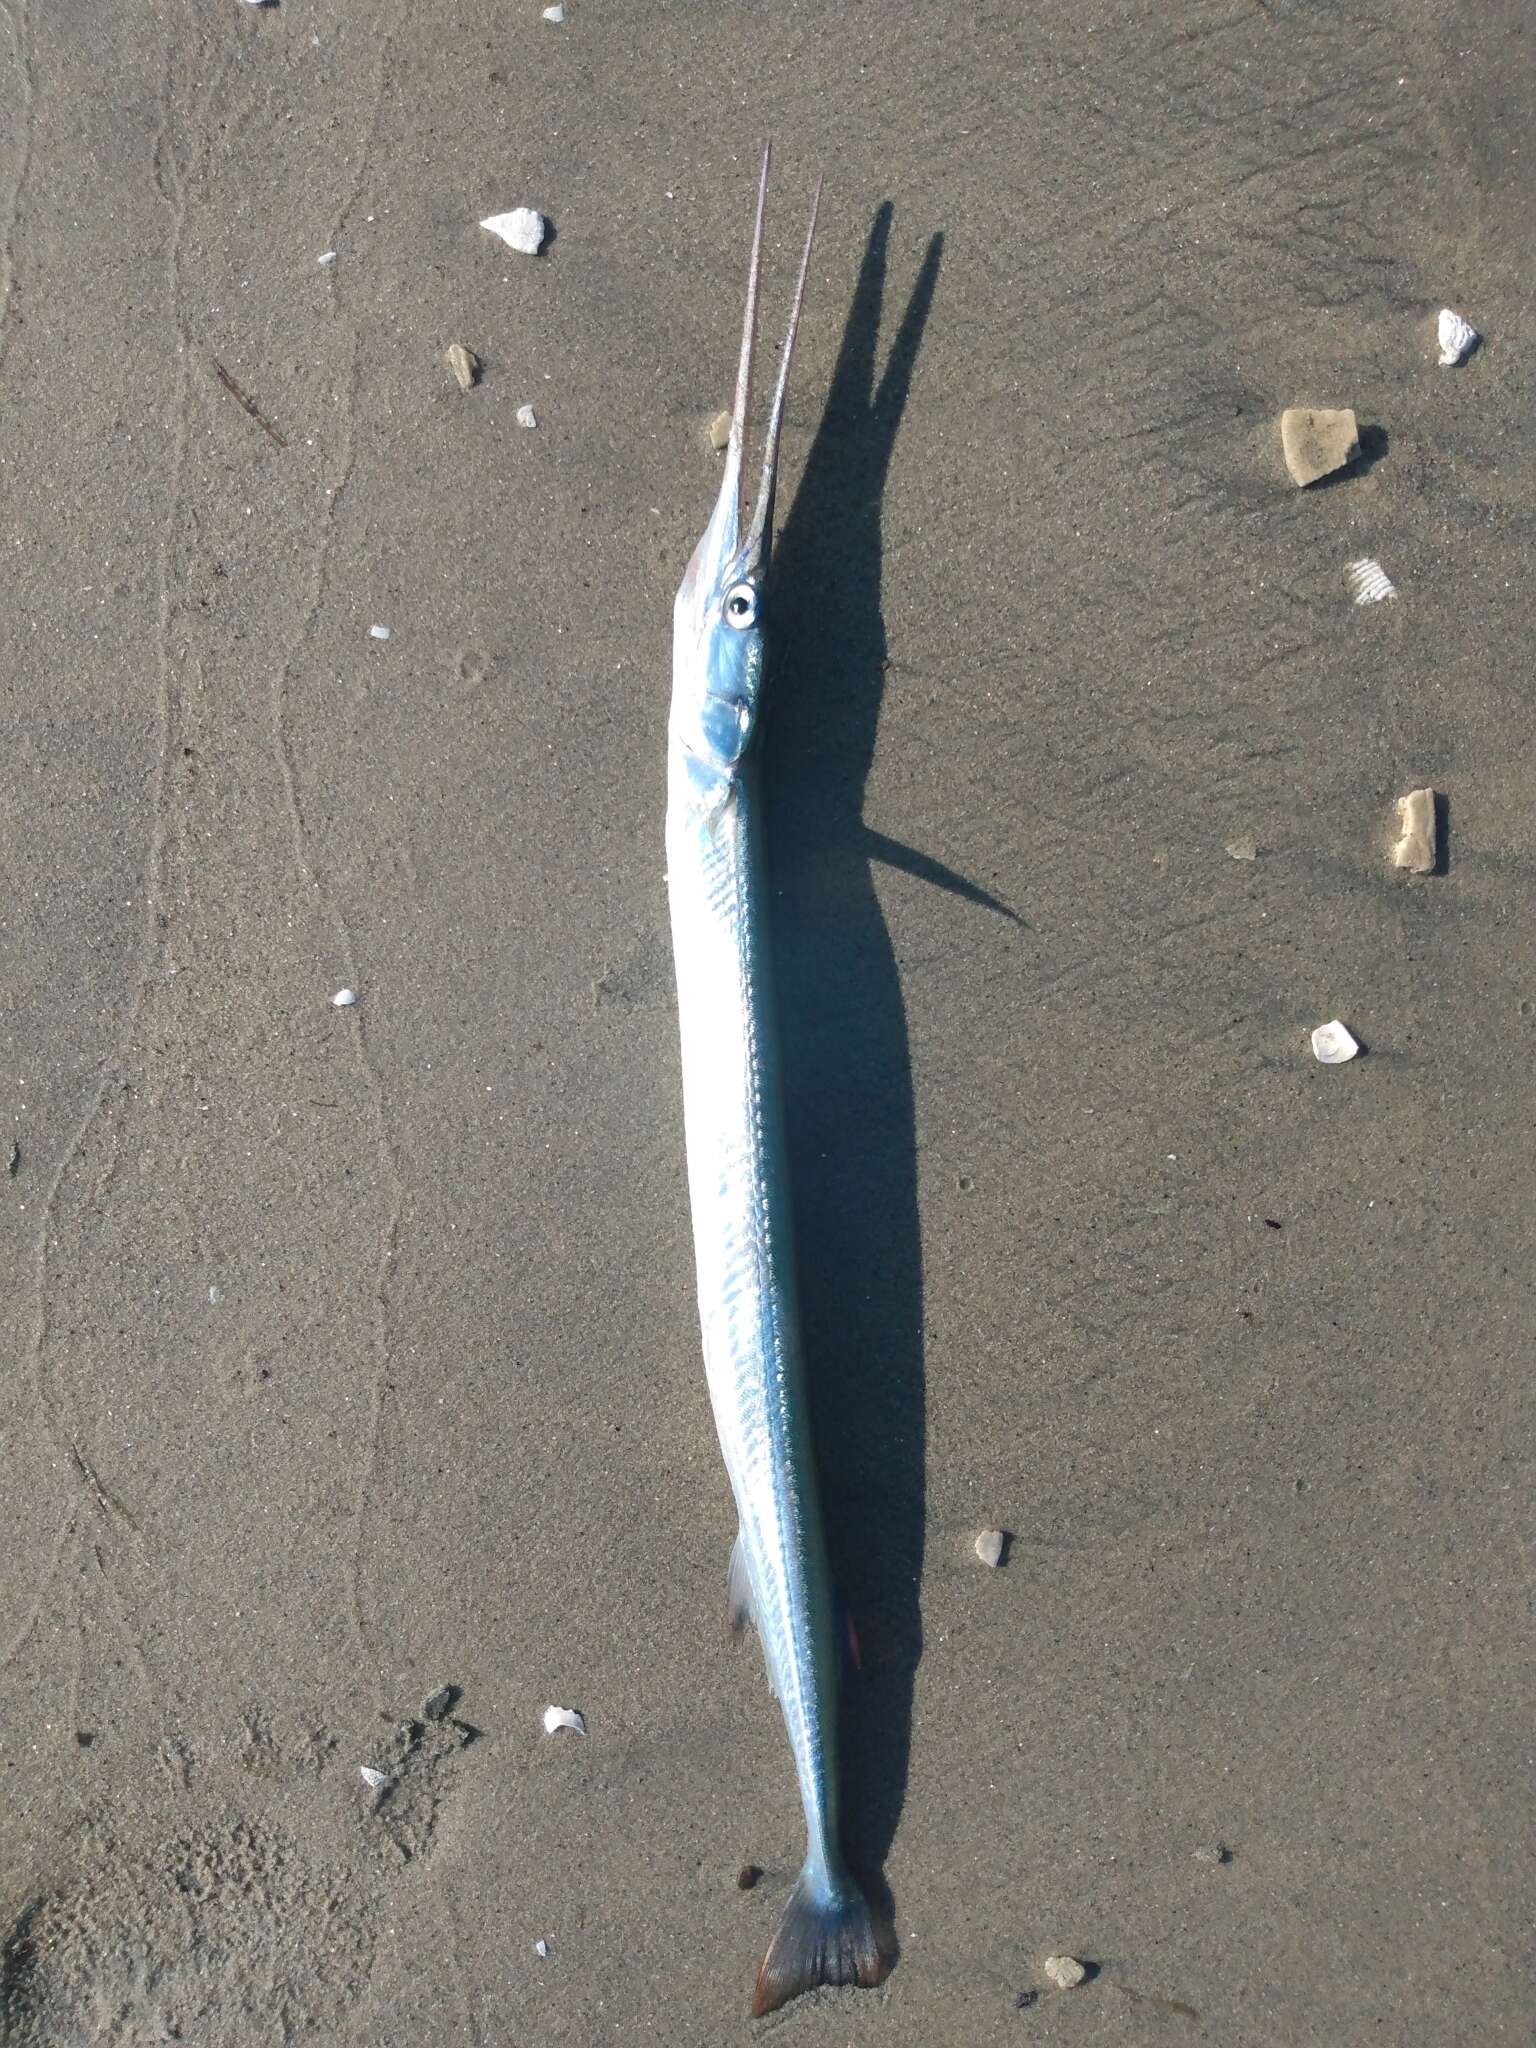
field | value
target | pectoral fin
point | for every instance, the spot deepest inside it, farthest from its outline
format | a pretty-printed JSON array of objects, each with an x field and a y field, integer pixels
[{"x": 738, "y": 1587}]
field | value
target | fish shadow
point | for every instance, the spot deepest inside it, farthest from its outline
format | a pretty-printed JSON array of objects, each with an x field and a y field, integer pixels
[{"x": 850, "y": 1122}]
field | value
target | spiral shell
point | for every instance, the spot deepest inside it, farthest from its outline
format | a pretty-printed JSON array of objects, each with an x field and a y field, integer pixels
[{"x": 1367, "y": 582}]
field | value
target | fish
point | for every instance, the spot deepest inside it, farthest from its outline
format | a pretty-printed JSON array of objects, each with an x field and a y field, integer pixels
[{"x": 737, "y": 1170}]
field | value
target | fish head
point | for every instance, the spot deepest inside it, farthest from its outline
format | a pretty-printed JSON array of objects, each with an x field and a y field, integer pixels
[{"x": 717, "y": 617}]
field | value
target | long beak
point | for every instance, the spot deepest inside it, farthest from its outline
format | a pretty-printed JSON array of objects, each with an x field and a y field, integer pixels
[
  {"x": 760, "y": 532},
  {"x": 721, "y": 544}
]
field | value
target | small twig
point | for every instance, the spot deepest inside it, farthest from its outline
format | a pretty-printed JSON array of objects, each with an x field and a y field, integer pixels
[
  {"x": 109, "y": 1507},
  {"x": 248, "y": 402},
  {"x": 90, "y": 1478}
]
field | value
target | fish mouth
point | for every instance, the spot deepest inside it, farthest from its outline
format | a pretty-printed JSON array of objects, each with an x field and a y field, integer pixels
[{"x": 739, "y": 537}]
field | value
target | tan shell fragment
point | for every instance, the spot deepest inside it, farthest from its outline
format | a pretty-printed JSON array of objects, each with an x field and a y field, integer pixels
[
  {"x": 1415, "y": 849},
  {"x": 719, "y": 431},
  {"x": 1065, "y": 1972},
  {"x": 1317, "y": 443},
  {"x": 465, "y": 365}
]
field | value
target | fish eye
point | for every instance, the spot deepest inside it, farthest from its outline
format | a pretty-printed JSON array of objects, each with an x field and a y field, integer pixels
[{"x": 740, "y": 608}]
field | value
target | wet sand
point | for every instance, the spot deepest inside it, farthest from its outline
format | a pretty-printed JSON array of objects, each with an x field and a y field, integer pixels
[{"x": 351, "y": 1353}]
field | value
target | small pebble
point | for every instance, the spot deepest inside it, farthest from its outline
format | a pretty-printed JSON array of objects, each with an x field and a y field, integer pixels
[
  {"x": 344, "y": 998},
  {"x": 441, "y": 1702},
  {"x": 1334, "y": 1044},
  {"x": 526, "y": 416},
  {"x": 1457, "y": 338},
  {"x": 1317, "y": 443},
  {"x": 989, "y": 1546},
  {"x": 541, "y": 1948},
  {"x": 1243, "y": 849},
  {"x": 465, "y": 365},
  {"x": 555, "y": 14},
  {"x": 378, "y": 632},
  {"x": 521, "y": 229},
  {"x": 328, "y": 257},
  {"x": 747, "y": 1877},
  {"x": 719, "y": 430},
  {"x": 1367, "y": 582},
  {"x": 556, "y": 1718},
  {"x": 1213, "y": 1852},
  {"x": 1065, "y": 1972},
  {"x": 1415, "y": 849},
  {"x": 13, "y": 1163}
]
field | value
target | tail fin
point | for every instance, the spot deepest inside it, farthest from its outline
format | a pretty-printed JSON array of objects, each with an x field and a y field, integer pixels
[{"x": 827, "y": 1936}]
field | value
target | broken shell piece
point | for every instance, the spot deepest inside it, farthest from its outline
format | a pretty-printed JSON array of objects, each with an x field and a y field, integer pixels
[
  {"x": 378, "y": 632},
  {"x": 1243, "y": 849},
  {"x": 1317, "y": 443},
  {"x": 521, "y": 229},
  {"x": 989, "y": 1546},
  {"x": 556, "y": 1718},
  {"x": 1334, "y": 1044},
  {"x": 719, "y": 430},
  {"x": 526, "y": 416},
  {"x": 1415, "y": 849},
  {"x": 374, "y": 1780},
  {"x": 344, "y": 998},
  {"x": 554, "y": 14},
  {"x": 1065, "y": 1972},
  {"x": 1367, "y": 582},
  {"x": 328, "y": 257},
  {"x": 1457, "y": 338},
  {"x": 541, "y": 1949},
  {"x": 465, "y": 365}
]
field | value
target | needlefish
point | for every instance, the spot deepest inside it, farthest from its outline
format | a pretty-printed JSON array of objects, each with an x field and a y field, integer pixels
[{"x": 737, "y": 1176}]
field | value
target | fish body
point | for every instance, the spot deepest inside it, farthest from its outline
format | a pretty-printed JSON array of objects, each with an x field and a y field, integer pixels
[{"x": 738, "y": 1183}]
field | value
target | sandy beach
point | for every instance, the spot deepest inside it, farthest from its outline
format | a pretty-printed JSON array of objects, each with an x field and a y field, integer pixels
[{"x": 352, "y": 1410}]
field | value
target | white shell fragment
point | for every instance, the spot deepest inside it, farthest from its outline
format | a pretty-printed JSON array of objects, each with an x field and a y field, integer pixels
[
  {"x": 328, "y": 257},
  {"x": 1367, "y": 582},
  {"x": 989, "y": 1546},
  {"x": 1243, "y": 849},
  {"x": 378, "y": 632},
  {"x": 1415, "y": 849},
  {"x": 526, "y": 416},
  {"x": 521, "y": 229},
  {"x": 554, "y": 14},
  {"x": 1333, "y": 1044},
  {"x": 1457, "y": 339},
  {"x": 344, "y": 998},
  {"x": 374, "y": 1780},
  {"x": 556, "y": 1718},
  {"x": 541, "y": 1949},
  {"x": 1065, "y": 1972}
]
